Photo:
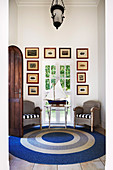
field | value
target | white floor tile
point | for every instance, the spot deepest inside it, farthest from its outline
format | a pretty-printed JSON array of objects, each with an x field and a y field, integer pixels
[
  {"x": 93, "y": 165},
  {"x": 21, "y": 165},
  {"x": 44, "y": 167},
  {"x": 69, "y": 167}
]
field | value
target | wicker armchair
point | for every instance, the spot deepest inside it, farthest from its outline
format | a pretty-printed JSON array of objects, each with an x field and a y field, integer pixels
[
  {"x": 89, "y": 114},
  {"x": 31, "y": 114}
]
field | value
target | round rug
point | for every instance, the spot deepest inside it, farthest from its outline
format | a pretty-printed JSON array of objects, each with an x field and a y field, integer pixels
[{"x": 58, "y": 145}]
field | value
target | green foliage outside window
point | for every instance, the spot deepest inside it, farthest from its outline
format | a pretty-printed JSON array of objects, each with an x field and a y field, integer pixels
[
  {"x": 47, "y": 71},
  {"x": 62, "y": 83},
  {"x": 53, "y": 70},
  {"x": 47, "y": 84},
  {"x": 67, "y": 84},
  {"x": 53, "y": 82},
  {"x": 67, "y": 71},
  {"x": 62, "y": 71}
]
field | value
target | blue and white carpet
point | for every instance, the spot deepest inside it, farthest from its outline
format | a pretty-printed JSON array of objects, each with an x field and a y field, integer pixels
[{"x": 58, "y": 145}]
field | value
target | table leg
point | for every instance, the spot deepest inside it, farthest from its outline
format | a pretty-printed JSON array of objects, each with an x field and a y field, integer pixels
[
  {"x": 65, "y": 118},
  {"x": 49, "y": 117}
]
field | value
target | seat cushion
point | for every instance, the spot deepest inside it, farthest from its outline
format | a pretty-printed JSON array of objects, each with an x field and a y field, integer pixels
[
  {"x": 30, "y": 116},
  {"x": 86, "y": 116}
]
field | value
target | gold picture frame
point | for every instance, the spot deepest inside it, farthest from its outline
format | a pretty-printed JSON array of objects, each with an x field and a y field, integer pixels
[
  {"x": 32, "y": 78},
  {"x": 33, "y": 90},
  {"x": 82, "y": 65},
  {"x": 81, "y": 77},
  {"x": 65, "y": 53},
  {"x": 31, "y": 52},
  {"x": 49, "y": 53},
  {"x": 82, "y": 89},
  {"x": 82, "y": 53},
  {"x": 32, "y": 65}
]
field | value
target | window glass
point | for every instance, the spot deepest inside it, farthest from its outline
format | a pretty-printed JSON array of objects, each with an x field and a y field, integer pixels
[
  {"x": 62, "y": 83},
  {"x": 47, "y": 84},
  {"x": 62, "y": 71},
  {"x": 53, "y": 82},
  {"x": 67, "y": 71},
  {"x": 67, "y": 84},
  {"x": 53, "y": 71},
  {"x": 47, "y": 71}
]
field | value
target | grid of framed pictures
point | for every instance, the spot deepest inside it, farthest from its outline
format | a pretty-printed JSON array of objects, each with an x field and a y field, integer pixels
[
  {"x": 32, "y": 75},
  {"x": 82, "y": 56}
]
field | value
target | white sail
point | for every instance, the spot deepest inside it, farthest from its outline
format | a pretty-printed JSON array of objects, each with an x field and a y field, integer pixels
[
  {"x": 50, "y": 95},
  {"x": 56, "y": 93},
  {"x": 59, "y": 93}
]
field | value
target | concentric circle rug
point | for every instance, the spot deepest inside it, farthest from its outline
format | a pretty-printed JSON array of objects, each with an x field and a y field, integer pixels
[{"x": 58, "y": 145}]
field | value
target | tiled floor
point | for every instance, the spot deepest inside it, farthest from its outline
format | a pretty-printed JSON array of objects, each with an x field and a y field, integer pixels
[{"x": 97, "y": 164}]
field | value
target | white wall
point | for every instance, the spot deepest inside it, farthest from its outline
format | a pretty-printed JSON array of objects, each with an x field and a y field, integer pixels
[
  {"x": 4, "y": 156},
  {"x": 101, "y": 59},
  {"x": 109, "y": 83},
  {"x": 79, "y": 29},
  {"x": 13, "y": 21}
]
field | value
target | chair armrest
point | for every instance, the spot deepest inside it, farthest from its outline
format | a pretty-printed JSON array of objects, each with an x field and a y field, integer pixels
[
  {"x": 93, "y": 109},
  {"x": 38, "y": 110},
  {"x": 95, "y": 115},
  {"x": 78, "y": 109}
]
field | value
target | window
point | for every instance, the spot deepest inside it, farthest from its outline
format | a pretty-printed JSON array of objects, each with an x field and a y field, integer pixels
[
  {"x": 53, "y": 73},
  {"x": 50, "y": 76}
]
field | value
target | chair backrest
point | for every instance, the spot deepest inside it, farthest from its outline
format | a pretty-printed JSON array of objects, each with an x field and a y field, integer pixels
[
  {"x": 89, "y": 104},
  {"x": 28, "y": 107}
]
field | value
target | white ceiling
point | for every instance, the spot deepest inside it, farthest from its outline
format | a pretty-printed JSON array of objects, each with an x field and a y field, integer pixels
[{"x": 48, "y": 2}]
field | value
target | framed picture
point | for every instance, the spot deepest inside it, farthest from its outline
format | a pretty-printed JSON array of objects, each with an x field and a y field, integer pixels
[
  {"x": 82, "y": 65},
  {"x": 82, "y": 53},
  {"x": 65, "y": 53},
  {"x": 31, "y": 53},
  {"x": 50, "y": 53},
  {"x": 81, "y": 77},
  {"x": 32, "y": 78},
  {"x": 82, "y": 89},
  {"x": 32, "y": 65},
  {"x": 33, "y": 90}
]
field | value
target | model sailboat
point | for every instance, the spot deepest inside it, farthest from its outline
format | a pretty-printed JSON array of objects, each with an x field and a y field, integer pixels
[{"x": 56, "y": 95}]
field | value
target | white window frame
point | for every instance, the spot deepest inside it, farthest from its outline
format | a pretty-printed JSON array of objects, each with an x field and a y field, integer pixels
[{"x": 72, "y": 84}]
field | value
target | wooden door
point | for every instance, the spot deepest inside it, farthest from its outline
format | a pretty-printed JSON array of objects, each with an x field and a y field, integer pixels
[{"x": 15, "y": 91}]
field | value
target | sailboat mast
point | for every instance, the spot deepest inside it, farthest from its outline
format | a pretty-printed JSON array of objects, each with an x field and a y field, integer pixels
[{"x": 54, "y": 90}]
